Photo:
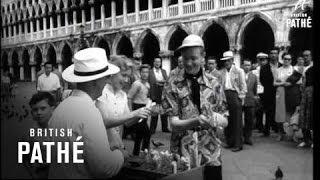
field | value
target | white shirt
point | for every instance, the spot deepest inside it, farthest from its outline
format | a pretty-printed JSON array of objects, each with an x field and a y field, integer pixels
[
  {"x": 158, "y": 74},
  {"x": 79, "y": 113},
  {"x": 115, "y": 104},
  {"x": 228, "y": 85},
  {"x": 48, "y": 83},
  {"x": 256, "y": 72}
]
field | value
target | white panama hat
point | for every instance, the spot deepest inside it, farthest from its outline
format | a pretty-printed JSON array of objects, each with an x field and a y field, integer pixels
[
  {"x": 262, "y": 55},
  {"x": 191, "y": 40},
  {"x": 89, "y": 64},
  {"x": 227, "y": 55}
]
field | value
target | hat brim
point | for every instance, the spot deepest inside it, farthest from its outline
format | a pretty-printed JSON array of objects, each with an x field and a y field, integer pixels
[
  {"x": 225, "y": 58},
  {"x": 69, "y": 76},
  {"x": 186, "y": 46}
]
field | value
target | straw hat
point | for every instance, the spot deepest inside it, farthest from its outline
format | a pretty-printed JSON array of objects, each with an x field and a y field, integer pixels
[{"x": 89, "y": 64}]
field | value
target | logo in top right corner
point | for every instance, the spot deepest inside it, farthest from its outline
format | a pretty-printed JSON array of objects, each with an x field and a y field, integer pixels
[{"x": 300, "y": 19}]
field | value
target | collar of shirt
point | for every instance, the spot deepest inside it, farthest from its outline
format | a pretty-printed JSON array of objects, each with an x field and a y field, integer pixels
[
  {"x": 82, "y": 94},
  {"x": 157, "y": 70},
  {"x": 203, "y": 79},
  {"x": 108, "y": 89}
]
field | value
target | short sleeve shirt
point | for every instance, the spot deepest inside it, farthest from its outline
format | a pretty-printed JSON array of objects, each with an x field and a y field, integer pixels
[
  {"x": 139, "y": 92},
  {"x": 48, "y": 83}
]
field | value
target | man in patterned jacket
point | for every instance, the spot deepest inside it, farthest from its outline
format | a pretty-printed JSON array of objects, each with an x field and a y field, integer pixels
[{"x": 194, "y": 101}]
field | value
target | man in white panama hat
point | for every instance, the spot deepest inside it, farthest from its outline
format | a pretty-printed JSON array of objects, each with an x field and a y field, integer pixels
[
  {"x": 79, "y": 113},
  {"x": 235, "y": 88}
]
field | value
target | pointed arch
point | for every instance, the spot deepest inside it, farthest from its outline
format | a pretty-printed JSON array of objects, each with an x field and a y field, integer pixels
[
  {"x": 172, "y": 30},
  {"x": 66, "y": 56},
  {"x": 142, "y": 36},
  {"x": 247, "y": 19}
]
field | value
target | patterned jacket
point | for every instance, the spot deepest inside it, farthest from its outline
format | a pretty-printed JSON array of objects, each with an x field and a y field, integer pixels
[{"x": 176, "y": 101}]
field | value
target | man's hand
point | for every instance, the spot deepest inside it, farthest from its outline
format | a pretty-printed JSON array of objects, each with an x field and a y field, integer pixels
[{"x": 142, "y": 113}]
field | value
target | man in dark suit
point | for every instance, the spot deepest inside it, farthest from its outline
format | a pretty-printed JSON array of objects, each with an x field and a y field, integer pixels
[
  {"x": 267, "y": 74},
  {"x": 249, "y": 101},
  {"x": 157, "y": 78}
]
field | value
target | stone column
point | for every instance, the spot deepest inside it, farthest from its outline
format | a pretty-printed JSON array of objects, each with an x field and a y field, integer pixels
[
  {"x": 180, "y": 8},
  {"x": 83, "y": 16},
  {"x": 164, "y": 8},
  {"x": 66, "y": 22},
  {"x": 14, "y": 30},
  {"x": 44, "y": 26},
  {"x": 9, "y": 27},
  {"x": 59, "y": 18},
  {"x": 103, "y": 15},
  {"x": 125, "y": 18},
  {"x": 150, "y": 10},
  {"x": 92, "y": 17},
  {"x": 113, "y": 13},
  {"x": 4, "y": 32},
  {"x": 166, "y": 60},
  {"x": 198, "y": 5},
  {"x": 21, "y": 71},
  {"x": 216, "y": 4},
  {"x": 20, "y": 29},
  {"x": 33, "y": 71},
  {"x": 38, "y": 26},
  {"x": 137, "y": 10},
  {"x": 74, "y": 19},
  {"x": 11, "y": 69},
  {"x": 237, "y": 57},
  {"x": 60, "y": 67},
  {"x": 31, "y": 27},
  {"x": 25, "y": 27},
  {"x": 51, "y": 25}
]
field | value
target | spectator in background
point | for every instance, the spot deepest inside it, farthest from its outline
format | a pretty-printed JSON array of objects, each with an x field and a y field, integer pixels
[
  {"x": 212, "y": 66},
  {"x": 262, "y": 59},
  {"x": 5, "y": 86},
  {"x": 235, "y": 89},
  {"x": 249, "y": 102},
  {"x": 267, "y": 76},
  {"x": 280, "y": 82},
  {"x": 179, "y": 68},
  {"x": 48, "y": 81},
  {"x": 306, "y": 108},
  {"x": 138, "y": 97},
  {"x": 157, "y": 78},
  {"x": 42, "y": 105}
]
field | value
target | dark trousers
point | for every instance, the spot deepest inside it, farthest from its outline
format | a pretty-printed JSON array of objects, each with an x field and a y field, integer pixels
[
  {"x": 233, "y": 131},
  {"x": 142, "y": 133},
  {"x": 212, "y": 172},
  {"x": 249, "y": 113},
  {"x": 154, "y": 122},
  {"x": 270, "y": 118},
  {"x": 259, "y": 115},
  {"x": 306, "y": 135}
]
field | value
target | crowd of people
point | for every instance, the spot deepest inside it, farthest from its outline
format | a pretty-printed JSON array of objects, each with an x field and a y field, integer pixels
[{"x": 107, "y": 100}]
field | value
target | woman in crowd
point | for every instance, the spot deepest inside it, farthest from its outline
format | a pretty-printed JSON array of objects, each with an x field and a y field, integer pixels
[
  {"x": 113, "y": 105},
  {"x": 138, "y": 97},
  {"x": 280, "y": 81}
]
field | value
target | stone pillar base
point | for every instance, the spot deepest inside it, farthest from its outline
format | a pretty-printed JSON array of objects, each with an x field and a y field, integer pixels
[{"x": 33, "y": 73}]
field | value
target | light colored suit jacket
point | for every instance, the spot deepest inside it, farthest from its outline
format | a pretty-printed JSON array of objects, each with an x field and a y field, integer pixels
[{"x": 238, "y": 80}]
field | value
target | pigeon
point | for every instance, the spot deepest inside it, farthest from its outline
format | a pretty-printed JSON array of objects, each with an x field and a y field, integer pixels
[
  {"x": 157, "y": 144},
  {"x": 279, "y": 174}
]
